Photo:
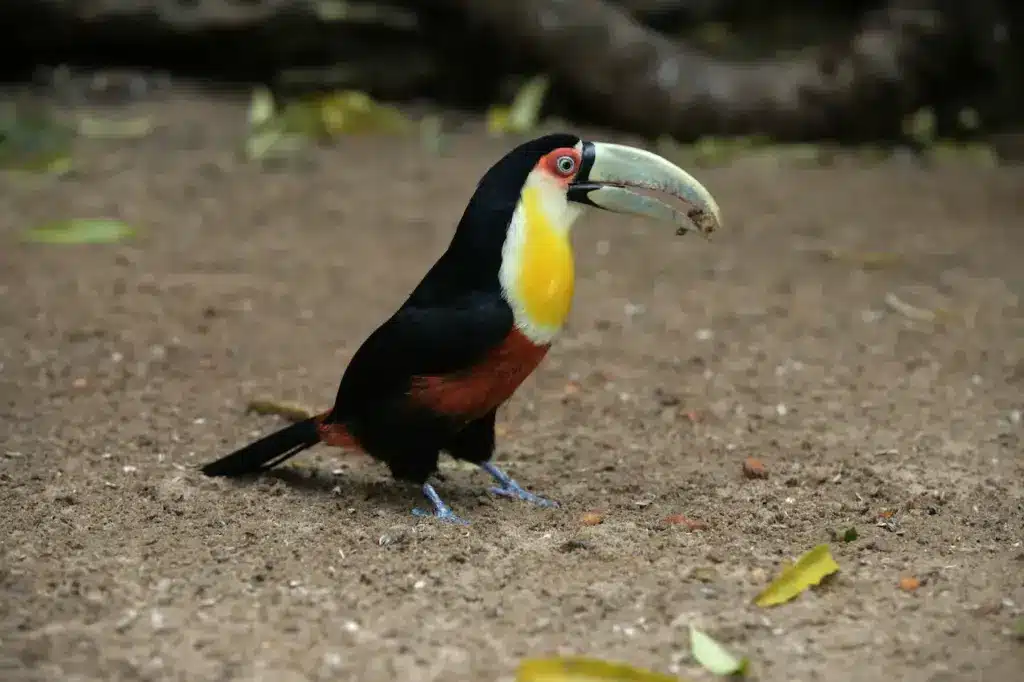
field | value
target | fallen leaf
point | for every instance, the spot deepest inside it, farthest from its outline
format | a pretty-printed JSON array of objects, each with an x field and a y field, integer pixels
[
  {"x": 80, "y": 231},
  {"x": 886, "y": 514},
  {"x": 273, "y": 132},
  {"x": 351, "y": 111},
  {"x": 261, "y": 106},
  {"x": 290, "y": 411},
  {"x": 523, "y": 114},
  {"x": 909, "y": 583},
  {"x": 908, "y": 310},
  {"x": 33, "y": 140},
  {"x": 850, "y": 535},
  {"x": 114, "y": 129},
  {"x": 680, "y": 520},
  {"x": 592, "y": 519},
  {"x": 579, "y": 669},
  {"x": 272, "y": 141},
  {"x": 754, "y": 468},
  {"x": 866, "y": 260},
  {"x": 433, "y": 138},
  {"x": 713, "y": 656},
  {"x": 920, "y": 126},
  {"x": 810, "y": 569}
]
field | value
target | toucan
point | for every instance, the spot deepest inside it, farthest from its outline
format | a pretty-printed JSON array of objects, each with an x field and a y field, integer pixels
[{"x": 431, "y": 377}]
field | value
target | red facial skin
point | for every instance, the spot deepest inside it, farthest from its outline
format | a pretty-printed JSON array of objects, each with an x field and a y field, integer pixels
[{"x": 549, "y": 163}]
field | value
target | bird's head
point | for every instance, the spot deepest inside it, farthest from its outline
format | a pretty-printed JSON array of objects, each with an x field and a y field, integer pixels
[
  {"x": 518, "y": 220},
  {"x": 562, "y": 174}
]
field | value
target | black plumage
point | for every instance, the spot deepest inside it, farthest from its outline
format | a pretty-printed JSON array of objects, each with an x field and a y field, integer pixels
[{"x": 448, "y": 326}]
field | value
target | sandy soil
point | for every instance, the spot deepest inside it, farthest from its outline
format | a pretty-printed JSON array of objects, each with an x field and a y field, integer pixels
[{"x": 124, "y": 368}]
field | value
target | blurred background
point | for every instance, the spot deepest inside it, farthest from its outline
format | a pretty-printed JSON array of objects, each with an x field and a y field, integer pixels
[
  {"x": 207, "y": 205},
  {"x": 896, "y": 72}
]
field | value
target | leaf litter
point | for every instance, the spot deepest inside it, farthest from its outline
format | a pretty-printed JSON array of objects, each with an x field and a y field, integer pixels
[{"x": 276, "y": 131}]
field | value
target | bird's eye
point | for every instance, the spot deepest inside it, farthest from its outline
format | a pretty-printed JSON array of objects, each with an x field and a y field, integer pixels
[{"x": 566, "y": 164}]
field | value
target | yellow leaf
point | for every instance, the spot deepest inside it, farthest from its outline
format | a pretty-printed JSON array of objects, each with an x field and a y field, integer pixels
[
  {"x": 808, "y": 570},
  {"x": 578, "y": 669},
  {"x": 497, "y": 119},
  {"x": 351, "y": 111},
  {"x": 524, "y": 112}
]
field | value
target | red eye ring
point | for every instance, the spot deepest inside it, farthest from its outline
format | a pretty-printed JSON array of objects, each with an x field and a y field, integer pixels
[{"x": 563, "y": 163}]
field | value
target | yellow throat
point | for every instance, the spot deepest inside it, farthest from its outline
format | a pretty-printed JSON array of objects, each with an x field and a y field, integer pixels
[{"x": 538, "y": 271}]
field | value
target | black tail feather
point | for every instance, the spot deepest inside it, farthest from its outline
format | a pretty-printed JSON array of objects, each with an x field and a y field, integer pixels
[{"x": 267, "y": 452}]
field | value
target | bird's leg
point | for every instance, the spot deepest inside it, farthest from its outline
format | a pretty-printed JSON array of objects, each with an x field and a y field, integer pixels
[
  {"x": 441, "y": 511},
  {"x": 509, "y": 488}
]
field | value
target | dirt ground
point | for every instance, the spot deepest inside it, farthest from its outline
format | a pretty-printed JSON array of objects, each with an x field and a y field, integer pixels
[{"x": 126, "y": 367}]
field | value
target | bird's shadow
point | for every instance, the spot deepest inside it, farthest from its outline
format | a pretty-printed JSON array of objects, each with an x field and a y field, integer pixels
[{"x": 383, "y": 491}]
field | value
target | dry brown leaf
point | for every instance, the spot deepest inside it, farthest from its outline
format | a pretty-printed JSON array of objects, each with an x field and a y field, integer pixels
[
  {"x": 290, "y": 411},
  {"x": 592, "y": 519},
  {"x": 680, "y": 520},
  {"x": 909, "y": 583},
  {"x": 754, "y": 468}
]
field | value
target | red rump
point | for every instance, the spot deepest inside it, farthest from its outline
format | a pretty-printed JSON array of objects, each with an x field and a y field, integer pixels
[
  {"x": 336, "y": 435},
  {"x": 474, "y": 392}
]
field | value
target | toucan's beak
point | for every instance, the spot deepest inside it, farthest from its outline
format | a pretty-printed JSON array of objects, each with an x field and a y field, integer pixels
[{"x": 609, "y": 171}]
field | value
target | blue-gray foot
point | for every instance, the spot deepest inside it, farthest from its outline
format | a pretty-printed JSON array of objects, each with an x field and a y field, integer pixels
[
  {"x": 509, "y": 488},
  {"x": 442, "y": 511}
]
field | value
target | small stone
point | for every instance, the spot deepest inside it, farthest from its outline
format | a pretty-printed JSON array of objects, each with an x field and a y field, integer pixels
[
  {"x": 680, "y": 520},
  {"x": 909, "y": 583},
  {"x": 754, "y": 468}
]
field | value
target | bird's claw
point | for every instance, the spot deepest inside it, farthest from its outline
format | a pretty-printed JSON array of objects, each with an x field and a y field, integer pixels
[
  {"x": 446, "y": 515},
  {"x": 514, "y": 490}
]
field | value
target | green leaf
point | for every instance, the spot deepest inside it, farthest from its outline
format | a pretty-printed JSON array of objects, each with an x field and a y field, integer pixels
[
  {"x": 261, "y": 107},
  {"x": 713, "y": 655},
  {"x": 432, "y": 136},
  {"x": 810, "y": 569},
  {"x": 34, "y": 141},
  {"x": 579, "y": 669},
  {"x": 920, "y": 126},
  {"x": 80, "y": 231},
  {"x": 272, "y": 140},
  {"x": 850, "y": 535},
  {"x": 523, "y": 114},
  {"x": 126, "y": 129}
]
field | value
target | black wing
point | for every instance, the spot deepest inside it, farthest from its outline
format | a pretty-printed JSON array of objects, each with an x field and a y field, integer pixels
[{"x": 423, "y": 340}]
